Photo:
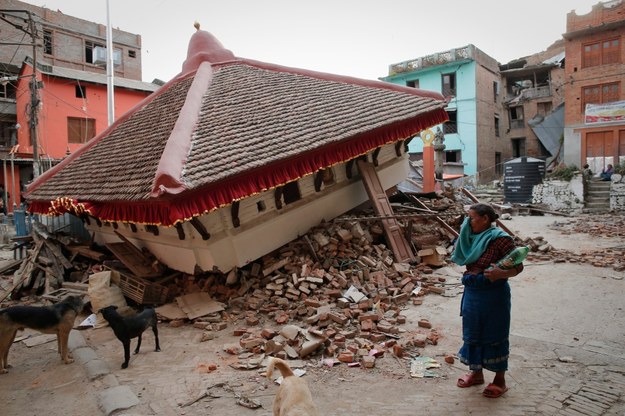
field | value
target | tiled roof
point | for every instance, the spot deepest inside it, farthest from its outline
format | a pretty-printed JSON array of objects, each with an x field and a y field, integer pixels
[{"x": 223, "y": 131}]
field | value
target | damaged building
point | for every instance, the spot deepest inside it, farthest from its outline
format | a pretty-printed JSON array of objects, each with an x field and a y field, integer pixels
[{"x": 233, "y": 158}]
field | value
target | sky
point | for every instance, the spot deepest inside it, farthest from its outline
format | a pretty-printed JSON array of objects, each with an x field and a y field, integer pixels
[{"x": 359, "y": 38}]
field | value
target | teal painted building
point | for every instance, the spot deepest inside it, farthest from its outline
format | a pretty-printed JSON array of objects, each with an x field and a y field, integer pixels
[{"x": 469, "y": 80}]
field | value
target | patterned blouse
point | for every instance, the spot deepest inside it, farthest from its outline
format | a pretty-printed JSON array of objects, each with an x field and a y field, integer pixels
[{"x": 495, "y": 251}]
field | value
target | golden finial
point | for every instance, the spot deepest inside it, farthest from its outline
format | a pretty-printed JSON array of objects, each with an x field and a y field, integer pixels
[{"x": 196, "y": 25}]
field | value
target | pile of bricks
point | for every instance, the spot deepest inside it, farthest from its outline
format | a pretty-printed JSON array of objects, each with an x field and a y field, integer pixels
[{"x": 611, "y": 226}]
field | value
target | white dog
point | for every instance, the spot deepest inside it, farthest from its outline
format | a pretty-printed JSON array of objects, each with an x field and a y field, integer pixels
[{"x": 293, "y": 397}]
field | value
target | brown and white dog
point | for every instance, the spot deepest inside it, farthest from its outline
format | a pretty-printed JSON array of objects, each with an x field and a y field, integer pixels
[
  {"x": 55, "y": 319},
  {"x": 293, "y": 397}
]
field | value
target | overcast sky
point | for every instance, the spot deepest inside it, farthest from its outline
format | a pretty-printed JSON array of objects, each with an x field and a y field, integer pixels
[{"x": 359, "y": 38}]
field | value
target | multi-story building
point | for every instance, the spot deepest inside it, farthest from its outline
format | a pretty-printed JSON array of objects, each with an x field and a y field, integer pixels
[
  {"x": 469, "y": 79},
  {"x": 595, "y": 108},
  {"x": 533, "y": 110},
  {"x": 68, "y": 103}
]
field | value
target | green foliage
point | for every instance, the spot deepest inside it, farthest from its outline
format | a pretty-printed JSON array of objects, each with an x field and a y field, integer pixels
[{"x": 564, "y": 173}]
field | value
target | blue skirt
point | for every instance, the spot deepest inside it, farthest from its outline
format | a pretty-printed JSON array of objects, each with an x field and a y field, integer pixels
[{"x": 485, "y": 311}]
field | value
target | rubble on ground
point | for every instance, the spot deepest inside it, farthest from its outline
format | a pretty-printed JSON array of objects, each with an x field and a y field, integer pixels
[{"x": 335, "y": 292}]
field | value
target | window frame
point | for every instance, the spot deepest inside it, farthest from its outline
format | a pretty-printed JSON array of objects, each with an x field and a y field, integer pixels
[
  {"x": 448, "y": 88},
  {"x": 48, "y": 42},
  {"x": 601, "y": 52},
  {"x": 602, "y": 96},
  {"x": 82, "y": 133}
]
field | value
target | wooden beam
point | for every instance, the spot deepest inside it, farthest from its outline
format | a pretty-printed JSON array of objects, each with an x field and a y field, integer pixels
[
  {"x": 234, "y": 212},
  {"x": 438, "y": 219},
  {"x": 180, "y": 230},
  {"x": 477, "y": 201},
  {"x": 199, "y": 227}
]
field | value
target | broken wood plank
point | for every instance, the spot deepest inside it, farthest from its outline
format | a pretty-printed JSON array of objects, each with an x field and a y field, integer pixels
[
  {"x": 499, "y": 223},
  {"x": 56, "y": 250},
  {"x": 10, "y": 266},
  {"x": 381, "y": 206},
  {"x": 85, "y": 252},
  {"x": 438, "y": 219}
]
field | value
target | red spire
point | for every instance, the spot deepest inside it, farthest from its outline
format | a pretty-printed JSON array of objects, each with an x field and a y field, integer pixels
[{"x": 203, "y": 46}]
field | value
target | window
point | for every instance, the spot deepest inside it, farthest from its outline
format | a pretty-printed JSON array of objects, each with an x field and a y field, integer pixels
[
  {"x": 81, "y": 91},
  {"x": 498, "y": 165},
  {"x": 600, "y": 94},
  {"x": 496, "y": 126},
  {"x": 291, "y": 192},
  {"x": 601, "y": 53},
  {"x": 544, "y": 108},
  {"x": 47, "y": 42},
  {"x": 518, "y": 147},
  {"x": 132, "y": 54},
  {"x": 516, "y": 118},
  {"x": 413, "y": 83},
  {"x": 449, "y": 85},
  {"x": 5, "y": 133},
  {"x": 451, "y": 126},
  {"x": 80, "y": 130},
  {"x": 453, "y": 156},
  {"x": 89, "y": 51},
  {"x": 328, "y": 176},
  {"x": 495, "y": 90},
  {"x": 260, "y": 206}
]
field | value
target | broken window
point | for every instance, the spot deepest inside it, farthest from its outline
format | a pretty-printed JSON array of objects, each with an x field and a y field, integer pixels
[
  {"x": 90, "y": 51},
  {"x": 518, "y": 147},
  {"x": 451, "y": 126},
  {"x": 47, "y": 42},
  {"x": 449, "y": 85},
  {"x": 132, "y": 54},
  {"x": 495, "y": 90},
  {"x": 601, "y": 53},
  {"x": 516, "y": 117},
  {"x": 600, "y": 94},
  {"x": 80, "y": 130}
]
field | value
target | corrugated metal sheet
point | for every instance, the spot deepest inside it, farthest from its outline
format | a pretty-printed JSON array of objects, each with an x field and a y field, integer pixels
[{"x": 550, "y": 129}]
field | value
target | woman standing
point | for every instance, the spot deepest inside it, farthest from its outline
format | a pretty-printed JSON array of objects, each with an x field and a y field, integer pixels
[{"x": 485, "y": 305}]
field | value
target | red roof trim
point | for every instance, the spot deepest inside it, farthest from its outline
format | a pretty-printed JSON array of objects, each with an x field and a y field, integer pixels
[{"x": 170, "y": 211}]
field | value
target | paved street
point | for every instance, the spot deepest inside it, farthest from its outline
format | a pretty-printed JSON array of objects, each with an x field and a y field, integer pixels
[{"x": 567, "y": 358}]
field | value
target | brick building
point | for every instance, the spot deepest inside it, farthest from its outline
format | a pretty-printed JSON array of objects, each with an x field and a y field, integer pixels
[
  {"x": 595, "y": 107},
  {"x": 533, "y": 94},
  {"x": 70, "y": 56}
]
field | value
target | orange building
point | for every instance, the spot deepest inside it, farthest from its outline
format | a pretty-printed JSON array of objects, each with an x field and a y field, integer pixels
[
  {"x": 594, "y": 94},
  {"x": 71, "y": 109}
]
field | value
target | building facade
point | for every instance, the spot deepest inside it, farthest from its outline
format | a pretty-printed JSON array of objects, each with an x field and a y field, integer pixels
[
  {"x": 68, "y": 103},
  {"x": 469, "y": 80},
  {"x": 533, "y": 94},
  {"x": 595, "y": 101}
]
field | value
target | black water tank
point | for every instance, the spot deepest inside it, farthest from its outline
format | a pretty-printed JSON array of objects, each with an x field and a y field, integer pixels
[{"x": 519, "y": 177}]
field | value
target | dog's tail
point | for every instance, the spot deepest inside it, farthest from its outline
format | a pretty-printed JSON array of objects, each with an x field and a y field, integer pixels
[{"x": 282, "y": 365}]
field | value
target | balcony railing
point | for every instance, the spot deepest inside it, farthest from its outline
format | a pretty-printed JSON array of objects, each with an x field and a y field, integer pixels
[{"x": 440, "y": 58}]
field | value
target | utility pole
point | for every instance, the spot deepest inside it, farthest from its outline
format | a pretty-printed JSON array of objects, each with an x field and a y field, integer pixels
[
  {"x": 31, "y": 29},
  {"x": 34, "y": 99}
]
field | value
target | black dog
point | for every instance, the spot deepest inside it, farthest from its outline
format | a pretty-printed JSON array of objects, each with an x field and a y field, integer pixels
[
  {"x": 126, "y": 328},
  {"x": 55, "y": 319}
]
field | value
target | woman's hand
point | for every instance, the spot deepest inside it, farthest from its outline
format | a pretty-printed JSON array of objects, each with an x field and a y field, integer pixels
[{"x": 494, "y": 273}]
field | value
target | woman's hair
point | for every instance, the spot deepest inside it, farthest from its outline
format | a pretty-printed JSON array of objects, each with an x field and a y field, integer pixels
[{"x": 485, "y": 209}]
